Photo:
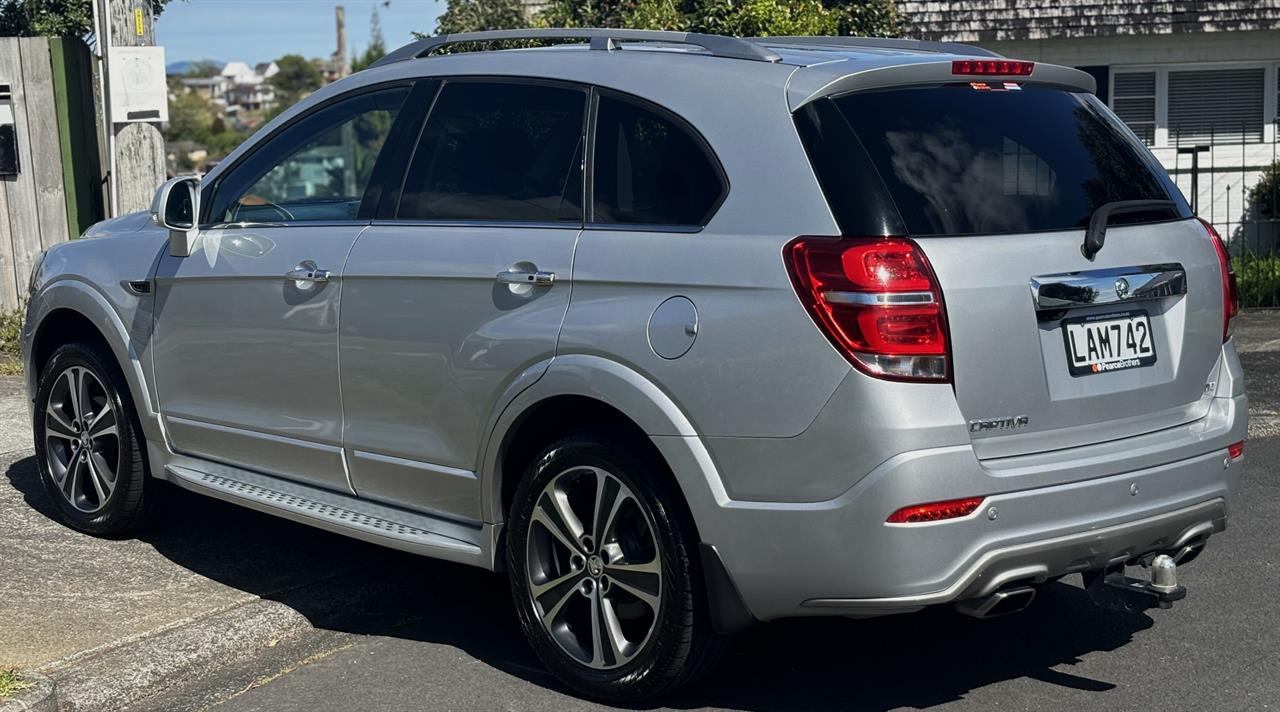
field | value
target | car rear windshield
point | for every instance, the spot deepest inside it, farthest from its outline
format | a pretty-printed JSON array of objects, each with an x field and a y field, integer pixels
[{"x": 961, "y": 159}]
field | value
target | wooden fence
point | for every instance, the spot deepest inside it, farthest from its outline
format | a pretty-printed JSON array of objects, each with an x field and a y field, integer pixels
[{"x": 56, "y": 191}]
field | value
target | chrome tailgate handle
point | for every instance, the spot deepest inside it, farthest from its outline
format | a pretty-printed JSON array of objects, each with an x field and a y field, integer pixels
[
  {"x": 520, "y": 277},
  {"x": 1107, "y": 286},
  {"x": 307, "y": 271}
]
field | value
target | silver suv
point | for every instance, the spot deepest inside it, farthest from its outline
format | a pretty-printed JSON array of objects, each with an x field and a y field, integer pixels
[{"x": 681, "y": 331}]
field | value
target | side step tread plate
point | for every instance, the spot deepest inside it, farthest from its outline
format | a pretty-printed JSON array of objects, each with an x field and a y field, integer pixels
[{"x": 333, "y": 511}]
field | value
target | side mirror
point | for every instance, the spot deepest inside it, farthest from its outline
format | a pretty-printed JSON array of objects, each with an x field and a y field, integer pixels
[{"x": 177, "y": 207}]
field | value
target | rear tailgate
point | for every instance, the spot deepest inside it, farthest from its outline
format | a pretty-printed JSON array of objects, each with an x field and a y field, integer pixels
[
  {"x": 1012, "y": 364},
  {"x": 996, "y": 183}
]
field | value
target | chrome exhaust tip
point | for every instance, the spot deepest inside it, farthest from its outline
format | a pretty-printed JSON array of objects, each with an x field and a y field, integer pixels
[{"x": 1001, "y": 603}]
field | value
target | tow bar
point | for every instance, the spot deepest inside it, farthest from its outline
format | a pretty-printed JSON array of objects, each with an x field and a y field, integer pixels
[{"x": 1111, "y": 589}]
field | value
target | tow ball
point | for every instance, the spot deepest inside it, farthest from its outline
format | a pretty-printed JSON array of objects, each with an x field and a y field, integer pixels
[{"x": 1110, "y": 588}]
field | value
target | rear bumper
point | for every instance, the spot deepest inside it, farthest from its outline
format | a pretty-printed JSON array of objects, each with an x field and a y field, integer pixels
[{"x": 839, "y": 557}]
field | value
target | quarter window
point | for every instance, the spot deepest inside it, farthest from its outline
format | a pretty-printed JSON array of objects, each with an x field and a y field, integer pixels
[
  {"x": 649, "y": 169},
  {"x": 316, "y": 169},
  {"x": 499, "y": 152}
]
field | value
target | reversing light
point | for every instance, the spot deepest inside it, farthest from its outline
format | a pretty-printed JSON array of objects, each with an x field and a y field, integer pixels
[
  {"x": 993, "y": 67},
  {"x": 1236, "y": 450},
  {"x": 936, "y": 511}
]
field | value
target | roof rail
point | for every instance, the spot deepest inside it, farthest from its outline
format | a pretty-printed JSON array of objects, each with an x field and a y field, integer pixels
[
  {"x": 601, "y": 39},
  {"x": 878, "y": 42}
]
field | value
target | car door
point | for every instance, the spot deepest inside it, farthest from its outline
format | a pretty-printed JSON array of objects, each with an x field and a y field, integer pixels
[
  {"x": 246, "y": 333},
  {"x": 461, "y": 290}
]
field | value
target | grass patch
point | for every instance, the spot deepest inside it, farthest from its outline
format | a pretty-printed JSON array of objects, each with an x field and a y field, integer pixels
[
  {"x": 11, "y": 683},
  {"x": 11, "y": 342}
]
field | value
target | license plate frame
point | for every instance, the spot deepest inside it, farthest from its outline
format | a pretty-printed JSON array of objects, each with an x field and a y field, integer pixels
[{"x": 1126, "y": 321}]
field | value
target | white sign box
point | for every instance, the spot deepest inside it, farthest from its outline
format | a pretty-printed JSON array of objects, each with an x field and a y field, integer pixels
[{"x": 138, "y": 88}]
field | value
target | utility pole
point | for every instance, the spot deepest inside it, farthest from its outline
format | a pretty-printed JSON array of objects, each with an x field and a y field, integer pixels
[{"x": 137, "y": 157}]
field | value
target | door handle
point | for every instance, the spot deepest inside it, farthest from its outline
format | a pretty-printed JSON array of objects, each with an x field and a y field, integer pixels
[
  {"x": 307, "y": 271},
  {"x": 520, "y": 277}
]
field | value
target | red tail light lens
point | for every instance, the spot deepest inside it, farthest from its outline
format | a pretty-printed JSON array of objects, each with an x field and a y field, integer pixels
[
  {"x": 993, "y": 67},
  {"x": 936, "y": 511},
  {"x": 878, "y": 301},
  {"x": 1236, "y": 450},
  {"x": 1230, "y": 289}
]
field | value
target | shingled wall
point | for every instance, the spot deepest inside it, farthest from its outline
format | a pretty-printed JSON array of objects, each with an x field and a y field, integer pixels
[{"x": 1000, "y": 20}]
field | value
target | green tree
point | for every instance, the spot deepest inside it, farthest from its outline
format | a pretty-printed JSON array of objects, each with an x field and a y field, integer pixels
[
  {"x": 377, "y": 48},
  {"x": 52, "y": 18},
  {"x": 475, "y": 15},
  {"x": 298, "y": 76},
  {"x": 743, "y": 18}
]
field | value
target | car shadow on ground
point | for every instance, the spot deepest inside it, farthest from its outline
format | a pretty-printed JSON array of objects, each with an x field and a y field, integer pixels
[{"x": 916, "y": 661}]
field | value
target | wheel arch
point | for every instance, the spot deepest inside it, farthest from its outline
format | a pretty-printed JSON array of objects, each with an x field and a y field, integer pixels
[
  {"x": 580, "y": 390},
  {"x": 69, "y": 311}
]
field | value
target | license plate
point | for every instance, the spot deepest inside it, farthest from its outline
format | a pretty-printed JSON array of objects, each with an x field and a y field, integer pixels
[{"x": 1109, "y": 342}]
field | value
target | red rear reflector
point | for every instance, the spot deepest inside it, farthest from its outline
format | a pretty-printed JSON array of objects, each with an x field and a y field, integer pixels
[
  {"x": 878, "y": 302},
  {"x": 993, "y": 67},
  {"x": 1236, "y": 451},
  {"x": 1230, "y": 289},
  {"x": 936, "y": 511}
]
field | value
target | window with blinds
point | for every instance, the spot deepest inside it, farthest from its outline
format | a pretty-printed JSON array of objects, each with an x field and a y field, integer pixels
[
  {"x": 1216, "y": 105},
  {"x": 1133, "y": 98}
]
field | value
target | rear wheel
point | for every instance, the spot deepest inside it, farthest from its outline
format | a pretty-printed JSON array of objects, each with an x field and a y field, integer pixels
[
  {"x": 88, "y": 446},
  {"x": 601, "y": 558}
]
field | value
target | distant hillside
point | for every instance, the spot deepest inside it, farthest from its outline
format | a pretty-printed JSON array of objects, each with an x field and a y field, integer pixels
[{"x": 180, "y": 68}]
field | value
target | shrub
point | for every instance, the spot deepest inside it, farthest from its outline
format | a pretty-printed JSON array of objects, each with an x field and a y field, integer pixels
[{"x": 1259, "y": 279}]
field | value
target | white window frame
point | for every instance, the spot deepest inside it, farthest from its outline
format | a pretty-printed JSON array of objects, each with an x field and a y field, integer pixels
[{"x": 1269, "y": 102}]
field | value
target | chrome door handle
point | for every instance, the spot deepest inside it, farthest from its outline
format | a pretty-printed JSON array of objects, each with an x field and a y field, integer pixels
[
  {"x": 307, "y": 271},
  {"x": 536, "y": 278}
]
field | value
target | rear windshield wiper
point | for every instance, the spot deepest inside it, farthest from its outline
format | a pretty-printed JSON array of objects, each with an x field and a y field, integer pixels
[{"x": 1096, "y": 234}]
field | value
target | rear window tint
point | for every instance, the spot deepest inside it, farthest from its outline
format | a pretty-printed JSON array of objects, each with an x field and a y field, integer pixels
[
  {"x": 649, "y": 170},
  {"x": 956, "y": 160}
]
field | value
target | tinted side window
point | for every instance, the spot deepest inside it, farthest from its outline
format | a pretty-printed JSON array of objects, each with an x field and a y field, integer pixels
[
  {"x": 316, "y": 169},
  {"x": 649, "y": 170},
  {"x": 500, "y": 152}
]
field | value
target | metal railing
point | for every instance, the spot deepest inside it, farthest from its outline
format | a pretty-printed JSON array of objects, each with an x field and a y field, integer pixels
[{"x": 1219, "y": 174}]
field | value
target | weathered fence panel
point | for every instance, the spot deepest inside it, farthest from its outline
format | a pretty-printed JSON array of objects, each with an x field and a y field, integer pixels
[{"x": 33, "y": 203}]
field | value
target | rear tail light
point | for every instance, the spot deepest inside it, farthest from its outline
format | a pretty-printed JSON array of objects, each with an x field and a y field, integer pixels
[
  {"x": 993, "y": 67},
  {"x": 877, "y": 300},
  {"x": 1236, "y": 450},
  {"x": 936, "y": 511},
  {"x": 1230, "y": 290}
]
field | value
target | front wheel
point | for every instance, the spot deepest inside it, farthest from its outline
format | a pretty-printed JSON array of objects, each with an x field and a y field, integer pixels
[
  {"x": 88, "y": 446},
  {"x": 601, "y": 559}
]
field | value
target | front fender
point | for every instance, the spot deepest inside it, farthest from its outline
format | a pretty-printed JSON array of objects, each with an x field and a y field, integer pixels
[{"x": 78, "y": 296}]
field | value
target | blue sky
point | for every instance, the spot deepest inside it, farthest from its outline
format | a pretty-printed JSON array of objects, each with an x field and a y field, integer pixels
[{"x": 260, "y": 30}]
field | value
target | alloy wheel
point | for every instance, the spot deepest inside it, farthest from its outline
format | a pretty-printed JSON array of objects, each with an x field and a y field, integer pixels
[
  {"x": 82, "y": 439},
  {"x": 593, "y": 567}
]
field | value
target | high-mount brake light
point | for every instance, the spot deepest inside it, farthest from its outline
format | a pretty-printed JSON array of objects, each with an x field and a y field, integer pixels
[
  {"x": 877, "y": 300},
  {"x": 1230, "y": 289},
  {"x": 993, "y": 67},
  {"x": 936, "y": 511}
]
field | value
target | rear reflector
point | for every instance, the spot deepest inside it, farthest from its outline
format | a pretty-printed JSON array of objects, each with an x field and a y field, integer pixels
[
  {"x": 878, "y": 302},
  {"x": 1230, "y": 289},
  {"x": 993, "y": 67},
  {"x": 1236, "y": 451},
  {"x": 936, "y": 511}
]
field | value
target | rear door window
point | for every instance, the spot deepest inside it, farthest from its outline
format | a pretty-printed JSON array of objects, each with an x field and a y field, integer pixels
[
  {"x": 650, "y": 169},
  {"x": 503, "y": 152},
  {"x": 960, "y": 159}
]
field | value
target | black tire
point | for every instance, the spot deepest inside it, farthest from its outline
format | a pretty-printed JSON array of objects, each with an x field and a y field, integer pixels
[
  {"x": 681, "y": 644},
  {"x": 125, "y": 506}
]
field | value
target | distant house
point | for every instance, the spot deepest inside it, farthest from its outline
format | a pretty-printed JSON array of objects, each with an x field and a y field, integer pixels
[
  {"x": 1182, "y": 74},
  {"x": 212, "y": 88}
]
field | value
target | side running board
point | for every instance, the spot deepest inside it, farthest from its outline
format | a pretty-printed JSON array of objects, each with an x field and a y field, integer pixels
[{"x": 336, "y": 512}]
